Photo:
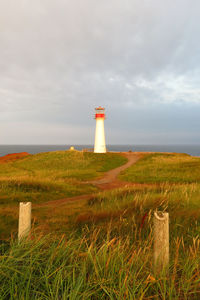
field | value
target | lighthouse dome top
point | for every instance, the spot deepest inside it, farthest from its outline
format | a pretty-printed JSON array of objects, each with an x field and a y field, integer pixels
[
  {"x": 99, "y": 108},
  {"x": 100, "y": 113}
]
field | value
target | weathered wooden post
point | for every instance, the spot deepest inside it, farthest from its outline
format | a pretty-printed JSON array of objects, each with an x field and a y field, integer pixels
[
  {"x": 161, "y": 242},
  {"x": 24, "y": 219}
]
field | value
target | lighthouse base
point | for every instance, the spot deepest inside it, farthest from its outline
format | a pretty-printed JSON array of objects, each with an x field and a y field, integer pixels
[{"x": 103, "y": 150}]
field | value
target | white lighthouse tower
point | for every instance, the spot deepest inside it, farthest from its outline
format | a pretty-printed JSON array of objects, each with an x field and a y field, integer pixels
[{"x": 100, "y": 144}]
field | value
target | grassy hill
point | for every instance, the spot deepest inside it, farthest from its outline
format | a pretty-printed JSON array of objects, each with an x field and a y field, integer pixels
[
  {"x": 49, "y": 176},
  {"x": 160, "y": 167},
  {"x": 101, "y": 247}
]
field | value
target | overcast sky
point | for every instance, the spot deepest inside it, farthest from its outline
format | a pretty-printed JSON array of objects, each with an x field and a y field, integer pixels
[{"x": 61, "y": 58}]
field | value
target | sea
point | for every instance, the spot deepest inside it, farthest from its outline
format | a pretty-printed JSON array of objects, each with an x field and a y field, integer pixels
[{"x": 193, "y": 150}]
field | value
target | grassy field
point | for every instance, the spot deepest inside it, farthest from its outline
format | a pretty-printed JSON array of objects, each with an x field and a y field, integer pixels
[
  {"x": 158, "y": 167},
  {"x": 101, "y": 247},
  {"x": 52, "y": 175},
  {"x": 49, "y": 176}
]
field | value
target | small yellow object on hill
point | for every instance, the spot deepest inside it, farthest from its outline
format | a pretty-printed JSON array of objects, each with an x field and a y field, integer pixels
[{"x": 71, "y": 148}]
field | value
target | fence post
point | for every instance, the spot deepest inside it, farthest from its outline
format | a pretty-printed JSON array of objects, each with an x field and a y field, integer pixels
[
  {"x": 24, "y": 219},
  {"x": 161, "y": 242}
]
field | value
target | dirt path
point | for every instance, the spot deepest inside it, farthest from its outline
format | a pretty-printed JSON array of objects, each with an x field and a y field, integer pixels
[
  {"x": 107, "y": 182},
  {"x": 110, "y": 180}
]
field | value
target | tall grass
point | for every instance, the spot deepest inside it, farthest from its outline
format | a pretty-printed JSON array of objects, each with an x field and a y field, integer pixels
[{"x": 96, "y": 265}]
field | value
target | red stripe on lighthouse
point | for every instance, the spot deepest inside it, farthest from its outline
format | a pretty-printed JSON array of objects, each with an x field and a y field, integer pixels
[{"x": 99, "y": 116}]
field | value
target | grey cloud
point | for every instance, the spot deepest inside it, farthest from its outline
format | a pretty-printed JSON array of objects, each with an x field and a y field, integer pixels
[{"x": 59, "y": 59}]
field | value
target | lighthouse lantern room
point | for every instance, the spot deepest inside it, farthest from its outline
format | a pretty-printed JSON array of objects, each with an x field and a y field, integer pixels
[{"x": 100, "y": 144}]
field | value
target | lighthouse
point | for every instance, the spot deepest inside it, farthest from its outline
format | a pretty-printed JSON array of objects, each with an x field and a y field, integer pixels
[{"x": 100, "y": 144}]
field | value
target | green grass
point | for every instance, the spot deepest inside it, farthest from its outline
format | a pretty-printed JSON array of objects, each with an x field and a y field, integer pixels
[
  {"x": 102, "y": 248},
  {"x": 49, "y": 176},
  {"x": 181, "y": 201},
  {"x": 53, "y": 175},
  {"x": 157, "y": 168},
  {"x": 107, "y": 253}
]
